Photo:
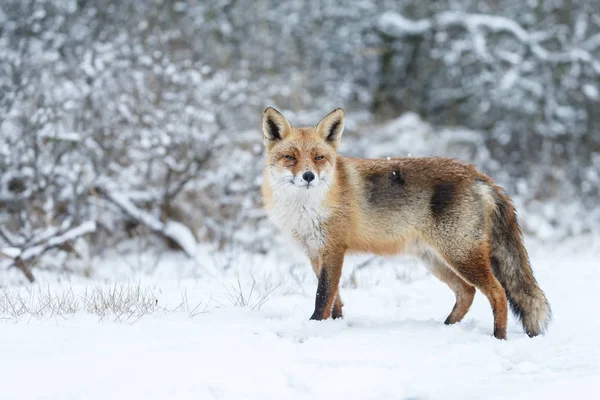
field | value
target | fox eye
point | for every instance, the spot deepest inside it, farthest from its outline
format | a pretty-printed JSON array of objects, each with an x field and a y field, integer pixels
[
  {"x": 317, "y": 158},
  {"x": 291, "y": 158}
]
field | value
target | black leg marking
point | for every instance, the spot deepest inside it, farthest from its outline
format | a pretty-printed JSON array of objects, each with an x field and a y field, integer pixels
[{"x": 321, "y": 298}]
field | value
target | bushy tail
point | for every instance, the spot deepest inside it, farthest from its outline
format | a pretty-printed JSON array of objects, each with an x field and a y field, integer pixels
[{"x": 510, "y": 264}]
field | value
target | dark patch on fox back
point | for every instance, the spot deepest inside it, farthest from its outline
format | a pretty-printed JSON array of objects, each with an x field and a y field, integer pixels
[
  {"x": 443, "y": 196},
  {"x": 386, "y": 187}
]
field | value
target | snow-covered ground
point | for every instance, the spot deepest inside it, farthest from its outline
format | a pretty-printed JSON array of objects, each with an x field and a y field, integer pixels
[{"x": 392, "y": 344}]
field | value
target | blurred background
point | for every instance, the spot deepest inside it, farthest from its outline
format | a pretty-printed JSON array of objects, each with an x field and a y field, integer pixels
[{"x": 131, "y": 126}]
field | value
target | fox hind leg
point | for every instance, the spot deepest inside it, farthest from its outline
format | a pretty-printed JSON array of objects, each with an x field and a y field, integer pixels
[
  {"x": 463, "y": 291},
  {"x": 476, "y": 269}
]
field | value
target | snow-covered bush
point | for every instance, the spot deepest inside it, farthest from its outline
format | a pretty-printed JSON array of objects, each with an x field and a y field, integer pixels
[
  {"x": 130, "y": 114},
  {"x": 524, "y": 74}
]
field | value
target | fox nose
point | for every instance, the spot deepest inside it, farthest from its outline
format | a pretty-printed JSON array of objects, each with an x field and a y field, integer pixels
[{"x": 308, "y": 176}]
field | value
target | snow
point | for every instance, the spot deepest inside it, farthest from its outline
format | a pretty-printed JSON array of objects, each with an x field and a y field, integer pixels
[
  {"x": 66, "y": 136},
  {"x": 84, "y": 228},
  {"x": 12, "y": 252},
  {"x": 591, "y": 91},
  {"x": 176, "y": 231},
  {"x": 391, "y": 344},
  {"x": 71, "y": 234},
  {"x": 146, "y": 218},
  {"x": 183, "y": 236},
  {"x": 475, "y": 21},
  {"x": 395, "y": 24},
  {"x": 46, "y": 241}
]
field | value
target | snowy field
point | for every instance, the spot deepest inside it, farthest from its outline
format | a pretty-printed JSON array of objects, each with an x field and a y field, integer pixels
[{"x": 178, "y": 337}]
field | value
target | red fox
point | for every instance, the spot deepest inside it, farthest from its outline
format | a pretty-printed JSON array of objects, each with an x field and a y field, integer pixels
[{"x": 462, "y": 225}]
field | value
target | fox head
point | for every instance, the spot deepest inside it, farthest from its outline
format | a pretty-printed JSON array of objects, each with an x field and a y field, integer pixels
[{"x": 301, "y": 158}]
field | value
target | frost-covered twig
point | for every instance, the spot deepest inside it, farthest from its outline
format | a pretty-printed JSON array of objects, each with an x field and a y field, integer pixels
[
  {"x": 59, "y": 240},
  {"x": 9, "y": 238},
  {"x": 189, "y": 172},
  {"x": 177, "y": 232},
  {"x": 396, "y": 25},
  {"x": 18, "y": 256}
]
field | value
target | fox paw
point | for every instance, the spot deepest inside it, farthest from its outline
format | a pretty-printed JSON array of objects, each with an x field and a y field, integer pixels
[{"x": 335, "y": 314}]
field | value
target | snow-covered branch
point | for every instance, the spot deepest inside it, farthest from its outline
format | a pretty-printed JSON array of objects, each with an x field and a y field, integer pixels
[
  {"x": 20, "y": 257},
  {"x": 396, "y": 25},
  {"x": 135, "y": 103},
  {"x": 177, "y": 232}
]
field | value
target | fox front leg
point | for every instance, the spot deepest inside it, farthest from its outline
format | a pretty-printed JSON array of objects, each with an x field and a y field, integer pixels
[{"x": 329, "y": 280}]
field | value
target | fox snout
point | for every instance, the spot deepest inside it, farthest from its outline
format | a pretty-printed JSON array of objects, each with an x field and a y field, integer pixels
[
  {"x": 307, "y": 180},
  {"x": 308, "y": 176}
]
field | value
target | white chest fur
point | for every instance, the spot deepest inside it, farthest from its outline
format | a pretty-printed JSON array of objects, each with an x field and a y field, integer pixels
[{"x": 300, "y": 213}]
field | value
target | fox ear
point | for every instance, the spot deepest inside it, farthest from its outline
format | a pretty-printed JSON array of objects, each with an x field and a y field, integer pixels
[
  {"x": 332, "y": 126},
  {"x": 275, "y": 126}
]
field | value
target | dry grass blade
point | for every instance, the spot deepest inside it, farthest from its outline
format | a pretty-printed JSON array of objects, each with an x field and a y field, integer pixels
[
  {"x": 117, "y": 302},
  {"x": 255, "y": 297}
]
